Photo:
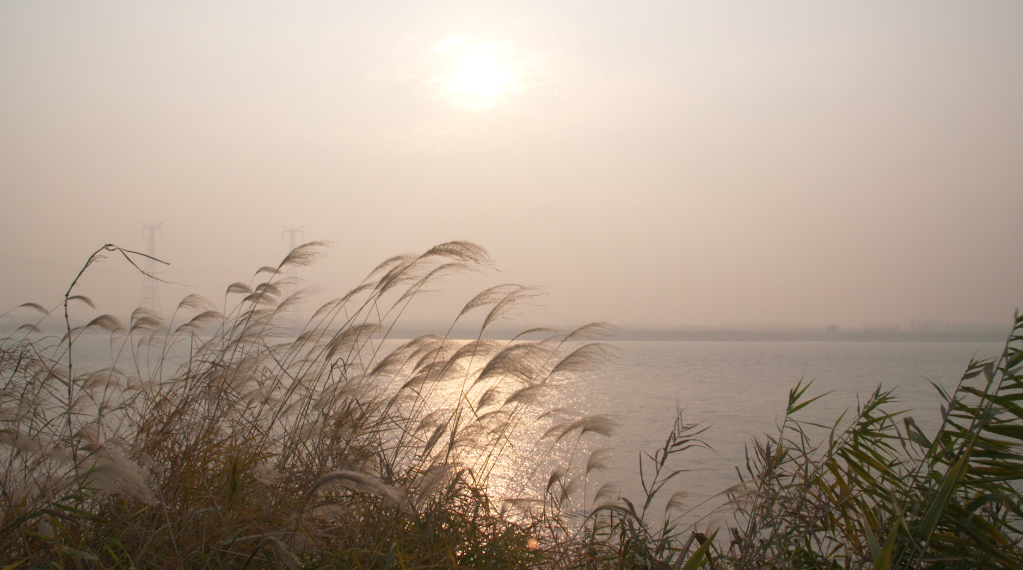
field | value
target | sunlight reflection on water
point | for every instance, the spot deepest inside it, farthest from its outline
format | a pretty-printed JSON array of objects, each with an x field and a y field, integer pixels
[{"x": 737, "y": 389}]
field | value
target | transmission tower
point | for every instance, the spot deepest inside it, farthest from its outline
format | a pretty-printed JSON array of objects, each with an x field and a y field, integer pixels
[
  {"x": 150, "y": 286},
  {"x": 292, "y": 312}
]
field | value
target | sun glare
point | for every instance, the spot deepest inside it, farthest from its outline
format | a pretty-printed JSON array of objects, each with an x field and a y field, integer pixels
[{"x": 480, "y": 75}]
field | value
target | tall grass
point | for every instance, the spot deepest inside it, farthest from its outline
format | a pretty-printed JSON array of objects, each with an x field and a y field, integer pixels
[
  {"x": 226, "y": 436},
  {"x": 268, "y": 447},
  {"x": 873, "y": 491}
]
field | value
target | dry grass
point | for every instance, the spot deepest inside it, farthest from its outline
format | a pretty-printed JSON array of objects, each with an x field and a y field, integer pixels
[
  {"x": 272, "y": 449},
  {"x": 223, "y": 438}
]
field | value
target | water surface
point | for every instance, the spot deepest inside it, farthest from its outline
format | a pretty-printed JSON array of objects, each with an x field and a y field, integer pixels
[{"x": 739, "y": 390}]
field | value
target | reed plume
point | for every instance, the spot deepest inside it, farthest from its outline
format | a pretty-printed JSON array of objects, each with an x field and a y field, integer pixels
[{"x": 222, "y": 437}]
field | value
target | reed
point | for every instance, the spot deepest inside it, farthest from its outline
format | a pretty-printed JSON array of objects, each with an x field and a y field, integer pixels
[
  {"x": 873, "y": 491},
  {"x": 271, "y": 447},
  {"x": 228, "y": 437}
]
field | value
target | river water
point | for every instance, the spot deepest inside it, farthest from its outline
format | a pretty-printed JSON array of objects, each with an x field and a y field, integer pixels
[{"x": 737, "y": 390}]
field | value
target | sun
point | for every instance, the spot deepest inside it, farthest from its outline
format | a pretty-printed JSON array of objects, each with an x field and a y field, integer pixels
[{"x": 480, "y": 75}]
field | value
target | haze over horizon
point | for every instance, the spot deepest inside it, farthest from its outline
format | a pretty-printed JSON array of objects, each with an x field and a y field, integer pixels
[{"x": 664, "y": 164}]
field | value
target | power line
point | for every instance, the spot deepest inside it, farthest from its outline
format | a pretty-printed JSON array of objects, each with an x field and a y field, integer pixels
[
  {"x": 32, "y": 262},
  {"x": 23, "y": 262},
  {"x": 247, "y": 261}
]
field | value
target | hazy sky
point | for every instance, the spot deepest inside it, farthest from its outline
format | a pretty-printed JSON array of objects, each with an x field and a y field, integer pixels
[{"x": 661, "y": 163}]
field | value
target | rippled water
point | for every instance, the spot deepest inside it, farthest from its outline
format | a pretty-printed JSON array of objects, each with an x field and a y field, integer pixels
[{"x": 740, "y": 390}]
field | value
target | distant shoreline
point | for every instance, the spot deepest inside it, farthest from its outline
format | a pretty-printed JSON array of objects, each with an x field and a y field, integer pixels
[
  {"x": 809, "y": 336},
  {"x": 680, "y": 335},
  {"x": 738, "y": 335}
]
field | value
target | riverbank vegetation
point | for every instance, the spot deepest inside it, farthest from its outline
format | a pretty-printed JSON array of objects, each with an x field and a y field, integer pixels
[{"x": 219, "y": 437}]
